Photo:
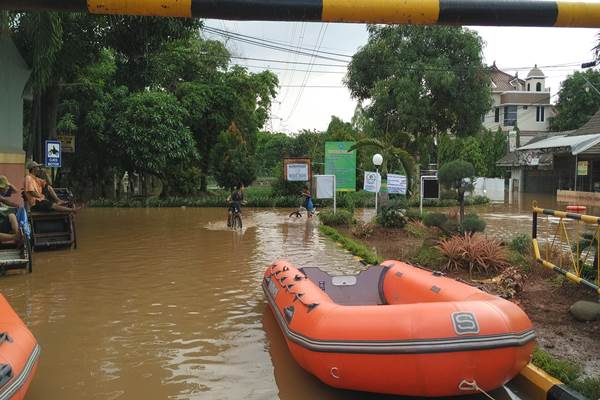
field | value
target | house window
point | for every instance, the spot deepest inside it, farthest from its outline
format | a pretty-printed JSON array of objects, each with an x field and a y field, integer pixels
[
  {"x": 538, "y": 87},
  {"x": 528, "y": 87},
  {"x": 497, "y": 114},
  {"x": 510, "y": 115},
  {"x": 539, "y": 114}
]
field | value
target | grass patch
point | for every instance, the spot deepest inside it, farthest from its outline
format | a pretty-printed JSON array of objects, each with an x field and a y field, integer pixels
[
  {"x": 355, "y": 248},
  {"x": 429, "y": 256},
  {"x": 568, "y": 373},
  {"x": 339, "y": 218}
]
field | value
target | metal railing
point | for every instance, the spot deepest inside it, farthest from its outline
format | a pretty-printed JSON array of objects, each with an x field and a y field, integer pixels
[{"x": 574, "y": 263}]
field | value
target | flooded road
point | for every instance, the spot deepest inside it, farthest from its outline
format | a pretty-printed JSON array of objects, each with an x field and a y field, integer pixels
[
  {"x": 167, "y": 304},
  {"x": 164, "y": 304}
]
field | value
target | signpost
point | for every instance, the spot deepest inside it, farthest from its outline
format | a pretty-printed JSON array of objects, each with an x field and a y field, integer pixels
[
  {"x": 430, "y": 192},
  {"x": 53, "y": 154},
  {"x": 297, "y": 169},
  {"x": 341, "y": 163},
  {"x": 396, "y": 183},
  {"x": 326, "y": 188},
  {"x": 68, "y": 143}
]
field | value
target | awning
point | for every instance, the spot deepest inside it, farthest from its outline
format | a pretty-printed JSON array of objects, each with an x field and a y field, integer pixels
[{"x": 574, "y": 144}]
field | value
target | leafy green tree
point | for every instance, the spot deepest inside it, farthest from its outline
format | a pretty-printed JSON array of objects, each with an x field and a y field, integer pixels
[
  {"x": 231, "y": 160},
  {"x": 394, "y": 158},
  {"x": 421, "y": 81},
  {"x": 456, "y": 175},
  {"x": 56, "y": 46},
  {"x": 137, "y": 41},
  {"x": 578, "y": 100},
  {"x": 150, "y": 132},
  {"x": 234, "y": 96},
  {"x": 270, "y": 149}
]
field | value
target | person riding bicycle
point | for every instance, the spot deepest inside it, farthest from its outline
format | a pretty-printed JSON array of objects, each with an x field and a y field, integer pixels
[
  {"x": 235, "y": 200},
  {"x": 308, "y": 204}
]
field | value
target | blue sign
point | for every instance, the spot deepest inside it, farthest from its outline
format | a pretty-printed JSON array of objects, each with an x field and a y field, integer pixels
[{"x": 53, "y": 154}]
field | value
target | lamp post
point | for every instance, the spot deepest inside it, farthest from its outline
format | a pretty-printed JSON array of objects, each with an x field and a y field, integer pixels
[{"x": 377, "y": 161}]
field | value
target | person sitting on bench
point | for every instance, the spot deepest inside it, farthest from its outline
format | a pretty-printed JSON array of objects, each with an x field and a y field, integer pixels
[
  {"x": 34, "y": 192},
  {"x": 9, "y": 227}
]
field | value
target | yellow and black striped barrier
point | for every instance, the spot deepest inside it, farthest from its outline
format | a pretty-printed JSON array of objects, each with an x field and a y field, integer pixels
[
  {"x": 538, "y": 385},
  {"x": 590, "y": 219},
  {"x": 559, "y": 13}
]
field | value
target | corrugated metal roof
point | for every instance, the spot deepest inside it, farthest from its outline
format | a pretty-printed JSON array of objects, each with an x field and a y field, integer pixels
[{"x": 576, "y": 144}]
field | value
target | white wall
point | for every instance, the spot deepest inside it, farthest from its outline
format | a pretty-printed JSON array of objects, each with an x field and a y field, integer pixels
[{"x": 492, "y": 188}]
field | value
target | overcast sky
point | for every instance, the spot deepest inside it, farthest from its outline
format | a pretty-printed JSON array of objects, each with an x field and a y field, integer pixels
[{"x": 302, "y": 104}]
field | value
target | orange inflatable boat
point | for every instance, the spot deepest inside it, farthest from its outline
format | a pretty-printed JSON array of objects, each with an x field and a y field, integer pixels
[
  {"x": 19, "y": 353},
  {"x": 398, "y": 329}
]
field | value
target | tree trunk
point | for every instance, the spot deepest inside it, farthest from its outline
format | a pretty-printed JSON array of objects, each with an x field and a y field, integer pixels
[
  {"x": 50, "y": 110},
  {"x": 203, "y": 183},
  {"x": 461, "y": 200}
]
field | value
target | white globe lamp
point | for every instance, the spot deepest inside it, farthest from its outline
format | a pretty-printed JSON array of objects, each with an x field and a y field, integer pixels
[{"x": 378, "y": 160}]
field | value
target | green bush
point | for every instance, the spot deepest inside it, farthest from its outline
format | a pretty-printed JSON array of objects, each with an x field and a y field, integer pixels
[
  {"x": 339, "y": 218},
  {"x": 521, "y": 244},
  {"x": 435, "y": 219},
  {"x": 429, "y": 256},
  {"x": 414, "y": 214},
  {"x": 473, "y": 223},
  {"x": 392, "y": 215}
]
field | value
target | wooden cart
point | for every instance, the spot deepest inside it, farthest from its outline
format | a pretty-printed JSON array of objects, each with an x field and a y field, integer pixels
[
  {"x": 54, "y": 229},
  {"x": 14, "y": 257}
]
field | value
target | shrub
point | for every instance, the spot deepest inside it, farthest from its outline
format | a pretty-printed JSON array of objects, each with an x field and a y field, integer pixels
[
  {"x": 429, "y": 256},
  {"x": 339, "y": 218},
  {"x": 473, "y": 223},
  {"x": 521, "y": 244},
  {"x": 413, "y": 214},
  {"x": 473, "y": 253},
  {"x": 363, "y": 230},
  {"x": 435, "y": 219},
  {"x": 416, "y": 229},
  {"x": 391, "y": 217}
]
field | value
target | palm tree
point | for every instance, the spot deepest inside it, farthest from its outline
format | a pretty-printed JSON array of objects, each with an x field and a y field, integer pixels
[{"x": 390, "y": 154}]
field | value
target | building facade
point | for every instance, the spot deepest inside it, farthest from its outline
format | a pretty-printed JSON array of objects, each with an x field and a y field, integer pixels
[{"x": 519, "y": 103}]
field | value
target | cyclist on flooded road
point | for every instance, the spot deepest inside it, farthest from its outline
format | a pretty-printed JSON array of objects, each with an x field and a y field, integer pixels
[{"x": 235, "y": 200}]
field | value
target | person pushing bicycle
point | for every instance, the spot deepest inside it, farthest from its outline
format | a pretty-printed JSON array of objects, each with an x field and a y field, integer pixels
[
  {"x": 235, "y": 200},
  {"x": 308, "y": 204}
]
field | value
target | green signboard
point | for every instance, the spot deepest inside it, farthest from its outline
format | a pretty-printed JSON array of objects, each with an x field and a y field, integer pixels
[{"x": 341, "y": 163}]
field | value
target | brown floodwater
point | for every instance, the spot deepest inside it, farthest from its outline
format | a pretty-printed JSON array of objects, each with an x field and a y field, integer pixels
[{"x": 167, "y": 304}]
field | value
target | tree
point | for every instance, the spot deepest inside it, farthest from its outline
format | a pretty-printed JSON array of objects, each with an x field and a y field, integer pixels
[
  {"x": 456, "y": 175},
  {"x": 232, "y": 163},
  {"x": 578, "y": 100},
  {"x": 394, "y": 158},
  {"x": 150, "y": 133},
  {"x": 421, "y": 81},
  {"x": 235, "y": 96}
]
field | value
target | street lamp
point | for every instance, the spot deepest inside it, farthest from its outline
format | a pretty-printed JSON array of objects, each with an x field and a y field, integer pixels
[{"x": 377, "y": 161}]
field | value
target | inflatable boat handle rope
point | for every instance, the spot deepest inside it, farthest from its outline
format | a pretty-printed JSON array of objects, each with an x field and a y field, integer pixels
[{"x": 472, "y": 386}]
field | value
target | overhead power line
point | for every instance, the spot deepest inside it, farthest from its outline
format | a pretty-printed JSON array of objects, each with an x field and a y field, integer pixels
[
  {"x": 233, "y": 35},
  {"x": 262, "y": 43}
]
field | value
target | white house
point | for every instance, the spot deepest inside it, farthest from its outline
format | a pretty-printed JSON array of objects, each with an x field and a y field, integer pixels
[{"x": 519, "y": 103}]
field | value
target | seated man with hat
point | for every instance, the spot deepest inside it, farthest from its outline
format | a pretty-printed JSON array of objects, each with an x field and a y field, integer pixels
[
  {"x": 34, "y": 192},
  {"x": 9, "y": 227}
]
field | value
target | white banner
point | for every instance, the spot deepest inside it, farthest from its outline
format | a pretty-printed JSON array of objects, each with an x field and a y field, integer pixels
[
  {"x": 396, "y": 183},
  {"x": 372, "y": 182},
  {"x": 325, "y": 186},
  {"x": 297, "y": 172}
]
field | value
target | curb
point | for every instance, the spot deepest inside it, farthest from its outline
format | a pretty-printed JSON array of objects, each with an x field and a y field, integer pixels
[{"x": 539, "y": 385}]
